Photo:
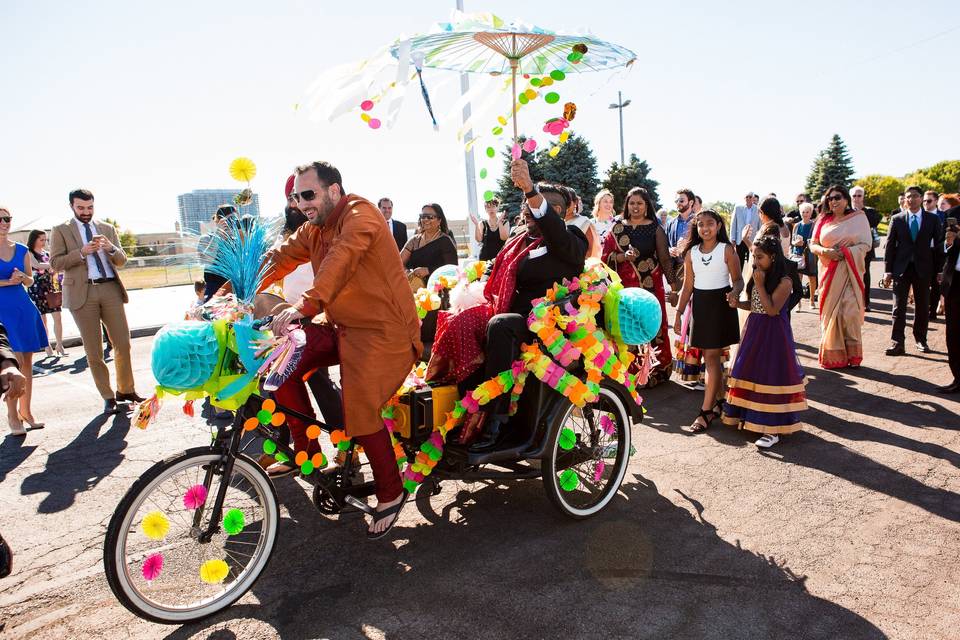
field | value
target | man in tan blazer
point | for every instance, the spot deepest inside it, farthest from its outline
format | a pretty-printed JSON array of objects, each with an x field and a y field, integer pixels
[{"x": 89, "y": 255}]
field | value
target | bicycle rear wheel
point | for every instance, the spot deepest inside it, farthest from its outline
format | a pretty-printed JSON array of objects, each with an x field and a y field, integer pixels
[
  {"x": 156, "y": 562},
  {"x": 588, "y": 450}
]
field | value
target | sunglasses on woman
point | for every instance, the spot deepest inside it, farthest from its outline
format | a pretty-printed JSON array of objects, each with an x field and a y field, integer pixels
[
  {"x": 6, "y": 219},
  {"x": 427, "y": 216},
  {"x": 835, "y": 198}
]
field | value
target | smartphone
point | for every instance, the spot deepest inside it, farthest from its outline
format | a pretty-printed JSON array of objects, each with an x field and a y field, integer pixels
[{"x": 951, "y": 222}]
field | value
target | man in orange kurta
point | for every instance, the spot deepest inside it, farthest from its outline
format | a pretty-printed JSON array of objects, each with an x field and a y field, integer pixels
[{"x": 371, "y": 325}]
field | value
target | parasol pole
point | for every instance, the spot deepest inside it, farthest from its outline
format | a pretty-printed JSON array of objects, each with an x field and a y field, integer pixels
[{"x": 513, "y": 86}]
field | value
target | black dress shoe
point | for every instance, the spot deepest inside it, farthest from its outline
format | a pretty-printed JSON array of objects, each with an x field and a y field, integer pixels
[
  {"x": 895, "y": 349},
  {"x": 922, "y": 347},
  {"x": 489, "y": 439},
  {"x": 110, "y": 406},
  {"x": 129, "y": 397},
  {"x": 954, "y": 387}
]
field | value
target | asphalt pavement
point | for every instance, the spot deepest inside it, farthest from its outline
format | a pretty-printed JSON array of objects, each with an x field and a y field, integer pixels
[{"x": 850, "y": 529}]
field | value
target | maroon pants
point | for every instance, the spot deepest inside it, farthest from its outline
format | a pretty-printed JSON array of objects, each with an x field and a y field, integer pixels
[{"x": 321, "y": 351}]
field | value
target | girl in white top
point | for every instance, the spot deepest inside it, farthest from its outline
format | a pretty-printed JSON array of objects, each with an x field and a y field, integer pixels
[{"x": 712, "y": 283}]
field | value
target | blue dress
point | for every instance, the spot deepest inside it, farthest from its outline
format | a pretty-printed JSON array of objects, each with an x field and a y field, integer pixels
[{"x": 17, "y": 312}]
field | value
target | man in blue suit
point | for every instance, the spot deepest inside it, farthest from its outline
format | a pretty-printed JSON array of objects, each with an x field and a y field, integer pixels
[{"x": 910, "y": 259}]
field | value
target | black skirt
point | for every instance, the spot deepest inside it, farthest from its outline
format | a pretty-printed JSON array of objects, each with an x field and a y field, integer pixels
[{"x": 715, "y": 324}]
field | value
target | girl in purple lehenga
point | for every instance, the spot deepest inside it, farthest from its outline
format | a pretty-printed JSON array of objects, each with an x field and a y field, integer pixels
[{"x": 766, "y": 385}]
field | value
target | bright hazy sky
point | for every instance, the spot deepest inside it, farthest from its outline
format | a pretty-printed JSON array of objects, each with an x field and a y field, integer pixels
[{"x": 142, "y": 102}]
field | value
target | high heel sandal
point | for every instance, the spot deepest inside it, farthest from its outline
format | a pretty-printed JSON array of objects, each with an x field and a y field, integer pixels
[
  {"x": 707, "y": 415},
  {"x": 33, "y": 425}
]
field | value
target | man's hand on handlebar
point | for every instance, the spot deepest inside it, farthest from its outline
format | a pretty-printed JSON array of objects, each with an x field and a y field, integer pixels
[
  {"x": 283, "y": 319},
  {"x": 12, "y": 382}
]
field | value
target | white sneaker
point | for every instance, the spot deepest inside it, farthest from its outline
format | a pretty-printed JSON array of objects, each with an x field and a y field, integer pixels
[
  {"x": 767, "y": 441},
  {"x": 698, "y": 387}
]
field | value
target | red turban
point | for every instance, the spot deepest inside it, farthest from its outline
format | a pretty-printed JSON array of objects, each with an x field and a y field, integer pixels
[{"x": 287, "y": 190}]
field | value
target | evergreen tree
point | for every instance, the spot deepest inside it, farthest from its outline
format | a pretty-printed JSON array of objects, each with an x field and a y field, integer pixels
[
  {"x": 623, "y": 177},
  {"x": 831, "y": 166},
  {"x": 575, "y": 167}
]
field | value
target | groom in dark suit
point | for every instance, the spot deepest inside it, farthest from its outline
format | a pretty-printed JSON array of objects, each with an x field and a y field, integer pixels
[{"x": 912, "y": 246}]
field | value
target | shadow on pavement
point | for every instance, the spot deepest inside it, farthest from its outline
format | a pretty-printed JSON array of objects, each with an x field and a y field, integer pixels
[
  {"x": 837, "y": 390},
  {"x": 500, "y": 562},
  {"x": 13, "y": 453},
  {"x": 80, "y": 465}
]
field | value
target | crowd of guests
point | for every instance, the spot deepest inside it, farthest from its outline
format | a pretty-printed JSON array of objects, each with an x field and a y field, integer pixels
[{"x": 697, "y": 261}]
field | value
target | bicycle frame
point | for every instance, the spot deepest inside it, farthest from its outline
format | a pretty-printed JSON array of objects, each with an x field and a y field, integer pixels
[{"x": 228, "y": 443}]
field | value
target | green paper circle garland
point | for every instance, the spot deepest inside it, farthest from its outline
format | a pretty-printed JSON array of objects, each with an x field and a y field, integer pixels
[
  {"x": 269, "y": 447},
  {"x": 552, "y": 98},
  {"x": 483, "y": 174},
  {"x": 491, "y": 152},
  {"x": 558, "y": 75},
  {"x": 487, "y": 196},
  {"x": 568, "y": 439},
  {"x": 523, "y": 99},
  {"x": 306, "y": 468},
  {"x": 264, "y": 416}
]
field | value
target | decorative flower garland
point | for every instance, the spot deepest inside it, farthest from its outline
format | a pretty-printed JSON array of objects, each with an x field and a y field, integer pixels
[
  {"x": 569, "y": 333},
  {"x": 427, "y": 299}
]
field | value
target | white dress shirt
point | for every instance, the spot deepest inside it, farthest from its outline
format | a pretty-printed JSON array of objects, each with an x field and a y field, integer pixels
[{"x": 93, "y": 272}]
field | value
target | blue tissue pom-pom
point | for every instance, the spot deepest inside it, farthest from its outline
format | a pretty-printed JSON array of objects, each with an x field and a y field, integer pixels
[
  {"x": 448, "y": 270},
  {"x": 185, "y": 355},
  {"x": 640, "y": 316}
]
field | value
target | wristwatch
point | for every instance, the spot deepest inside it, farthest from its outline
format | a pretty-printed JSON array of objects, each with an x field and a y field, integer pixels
[{"x": 532, "y": 193}]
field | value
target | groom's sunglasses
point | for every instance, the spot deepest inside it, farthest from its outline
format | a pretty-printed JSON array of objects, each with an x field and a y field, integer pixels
[{"x": 309, "y": 194}]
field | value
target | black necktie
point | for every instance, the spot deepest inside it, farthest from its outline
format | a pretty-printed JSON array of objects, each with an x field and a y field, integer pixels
[{"x": 96, "y": 254}]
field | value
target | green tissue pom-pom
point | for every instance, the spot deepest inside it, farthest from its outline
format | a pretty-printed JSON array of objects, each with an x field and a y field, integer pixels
[
  {"x": 233, "y": 522},
  {"x": 435, "y": 454},
  {"x": 410, "y": 486},
  {"x": 567, "y": 439},
  {"x": 569, "y": 480}
]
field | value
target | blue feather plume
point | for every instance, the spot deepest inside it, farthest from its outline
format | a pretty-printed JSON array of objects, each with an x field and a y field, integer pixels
[{"x": 237, "y": 251}]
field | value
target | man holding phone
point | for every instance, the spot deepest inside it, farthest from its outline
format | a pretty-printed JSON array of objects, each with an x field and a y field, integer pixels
[{"x": 89, "y": 254}]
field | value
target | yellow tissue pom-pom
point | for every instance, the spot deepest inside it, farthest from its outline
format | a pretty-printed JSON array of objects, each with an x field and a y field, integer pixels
[
  {"x": 155, "y": 525},
  {"x": 214, "y": 571},
  {"x": 243, "y": 170}
]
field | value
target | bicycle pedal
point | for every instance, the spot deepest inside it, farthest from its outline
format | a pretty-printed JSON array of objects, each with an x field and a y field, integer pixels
[{"x": 362, "y": 506}]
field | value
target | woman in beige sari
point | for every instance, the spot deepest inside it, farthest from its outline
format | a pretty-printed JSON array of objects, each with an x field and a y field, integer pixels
[{"x": 841, "y": 241}]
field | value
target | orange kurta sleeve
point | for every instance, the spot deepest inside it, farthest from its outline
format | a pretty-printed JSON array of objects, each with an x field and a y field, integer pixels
[
  {"x": 294, "y": 251},
  {"x": 355, "y": 238}
]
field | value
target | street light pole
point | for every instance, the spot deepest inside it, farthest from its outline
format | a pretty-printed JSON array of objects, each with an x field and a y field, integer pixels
[
  {"x": 472, "y": 209},
  {"x": 621, "y": 103}
]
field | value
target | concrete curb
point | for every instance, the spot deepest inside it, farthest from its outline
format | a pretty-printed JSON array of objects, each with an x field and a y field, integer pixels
[{"x": 139, "y": 332}]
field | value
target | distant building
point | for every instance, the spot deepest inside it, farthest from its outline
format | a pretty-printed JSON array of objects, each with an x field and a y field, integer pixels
[{"x": 199, "y": 205}]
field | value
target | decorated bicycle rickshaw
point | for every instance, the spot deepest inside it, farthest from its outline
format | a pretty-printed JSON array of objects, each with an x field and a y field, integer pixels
[{"x": 197, "y": 529}]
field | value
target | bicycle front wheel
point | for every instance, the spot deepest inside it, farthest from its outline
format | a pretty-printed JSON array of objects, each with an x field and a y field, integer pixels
[{"x": 159, "y": 563}]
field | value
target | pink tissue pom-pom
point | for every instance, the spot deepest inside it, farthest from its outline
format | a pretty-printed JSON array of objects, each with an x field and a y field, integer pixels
[
  {"x": 152, "y": 567},
  {"x": 598, "y": 471},
  {"x": 195, "y": 497},
  {"x": 529, "y": 145}
]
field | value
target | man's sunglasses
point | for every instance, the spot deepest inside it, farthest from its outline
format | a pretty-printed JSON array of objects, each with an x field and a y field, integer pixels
[
  {"x": 835, "y": 197},
  {"x": 928, "y": 201},
  {"x": 6, "y": 219},
  {"x": 308, "y": 195}
]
